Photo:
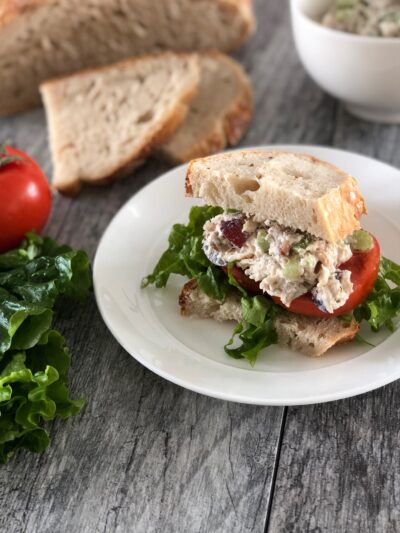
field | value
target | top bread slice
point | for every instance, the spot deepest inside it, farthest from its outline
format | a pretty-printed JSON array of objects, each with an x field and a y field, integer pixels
[
  {"x": 295, "y": 190},
  {"x": 41, "y": 39},
  {"x": 310, "y": 336},
  {"x": 218, "y": 115},
  {"x": 104, "y": 122}
]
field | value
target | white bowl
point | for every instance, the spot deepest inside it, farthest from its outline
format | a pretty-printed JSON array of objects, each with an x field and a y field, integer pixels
[{"x": 362, "y": 71}]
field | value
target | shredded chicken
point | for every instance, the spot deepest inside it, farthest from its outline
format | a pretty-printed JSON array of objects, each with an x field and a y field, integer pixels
[
  {"x": 380, "y": 18},
  {"x": 286, "y": 263}
]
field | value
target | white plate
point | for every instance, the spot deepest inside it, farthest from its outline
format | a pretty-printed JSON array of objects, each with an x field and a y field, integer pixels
[{"x": 189, "y": 352}]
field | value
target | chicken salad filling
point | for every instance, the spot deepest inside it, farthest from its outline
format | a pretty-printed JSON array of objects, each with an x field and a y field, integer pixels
[
  {"x": 286, "y": 263},
  {"x": 379, "y": 18}
]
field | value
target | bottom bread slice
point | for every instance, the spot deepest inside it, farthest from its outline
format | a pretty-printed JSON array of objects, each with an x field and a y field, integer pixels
[{"x": 310, "y": 336}]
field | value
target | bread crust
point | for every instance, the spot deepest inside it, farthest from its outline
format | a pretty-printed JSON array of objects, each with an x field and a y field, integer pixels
[
  {"x": 171, "y": 123},
  {"x": 313, "y": 336},
  {"x": 183, "y": 299},
  {"x": 231, "y": 127},
  {"x": 11, "y": 9},
  {"x": 244, "y": 7},
  {"x": 338, "y": 211}
]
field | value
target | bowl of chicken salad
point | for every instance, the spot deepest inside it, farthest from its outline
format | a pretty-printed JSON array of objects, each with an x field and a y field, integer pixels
[{"x": 351, "y": 49}]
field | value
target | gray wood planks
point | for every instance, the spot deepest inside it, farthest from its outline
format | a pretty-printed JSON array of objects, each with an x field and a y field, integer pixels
[
  {"x": 148, "y": 456},
  {"x": 339, "y": 467}
]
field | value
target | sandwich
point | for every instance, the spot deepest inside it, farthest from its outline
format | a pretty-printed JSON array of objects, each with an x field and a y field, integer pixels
[{"x": 279, "y": 249}]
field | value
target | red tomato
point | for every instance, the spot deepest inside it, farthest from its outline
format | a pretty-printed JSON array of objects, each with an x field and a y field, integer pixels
[
  {"x": 244, "y": 281},
  {"x": 364, "y": 267},
  {"x": 25, "y": 198}
]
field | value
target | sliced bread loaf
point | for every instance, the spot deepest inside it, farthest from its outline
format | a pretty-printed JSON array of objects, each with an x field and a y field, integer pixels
[
  {"x": 218, "y": 115},
  {"x": 311, "y": 336},
  {"x": 104, "y": 122},
  {"x": 41, "y": 39},
  {"x": 296, "y": 190}
]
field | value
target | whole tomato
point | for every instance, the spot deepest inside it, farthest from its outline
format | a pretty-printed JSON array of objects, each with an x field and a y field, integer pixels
[{"x": 25, "y": 197}]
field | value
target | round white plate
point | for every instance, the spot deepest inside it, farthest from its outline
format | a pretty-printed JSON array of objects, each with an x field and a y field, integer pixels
[{"x": 189, "y": 352}]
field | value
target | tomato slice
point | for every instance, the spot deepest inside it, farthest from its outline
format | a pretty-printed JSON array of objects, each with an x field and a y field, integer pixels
[
  {"x": 364, "y": 267},
  {"x": 244, "y": 281}
]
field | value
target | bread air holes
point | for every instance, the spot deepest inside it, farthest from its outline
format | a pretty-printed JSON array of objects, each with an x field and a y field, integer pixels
[
  {"x": 314, "y": 216},
  {"x": 241, "y": 186},
  {"x": 210, "y": 191},
  {"x": 145, "y": 117},
  {"x": 139, "y": 29}
]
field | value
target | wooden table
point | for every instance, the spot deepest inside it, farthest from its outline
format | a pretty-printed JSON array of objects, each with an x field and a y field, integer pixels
[{"x": 148, "y": 456}]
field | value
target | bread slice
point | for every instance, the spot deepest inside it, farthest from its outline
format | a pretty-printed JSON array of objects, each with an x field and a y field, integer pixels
[
  {"x": 104, "y": 122},
  {"x": 313, "y": 336},
  {"x": 218, "y": 115},
  {"x": 41, "y": 39},
  {"x": 310, "y": 336},
  {"x": 296, "y": 190},
  {"x": 194, "y": 302}
]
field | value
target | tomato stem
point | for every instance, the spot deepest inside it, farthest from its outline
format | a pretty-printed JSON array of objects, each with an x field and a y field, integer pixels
[{"x": 5, "y": 157}]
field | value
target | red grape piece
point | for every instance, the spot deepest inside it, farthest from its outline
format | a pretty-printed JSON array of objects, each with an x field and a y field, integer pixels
[{"x": 232, "y": 230}]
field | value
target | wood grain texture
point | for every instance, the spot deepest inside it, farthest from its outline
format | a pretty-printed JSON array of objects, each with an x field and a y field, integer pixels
[
  {"x": 339, "y": 467},
  {"x": 148, "y": 456},
  {"x": 375, "y": 140}
]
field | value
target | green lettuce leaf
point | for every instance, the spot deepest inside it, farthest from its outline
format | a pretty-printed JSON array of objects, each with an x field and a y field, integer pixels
[
  {"x": 40, "y": 270},
  {"x": 34, "y": 360},
  {"x": 185, "y": 256},
  {"x": 21, "y": 323},
  {"x": 256, "y": 330},
  {"x": 382, "y": 306},
  {"x": 232, "y": 281}
]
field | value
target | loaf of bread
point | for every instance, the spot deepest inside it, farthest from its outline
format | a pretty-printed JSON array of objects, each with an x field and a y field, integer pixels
[
  {"x": 218, "y": 115},
  {"x": 310, "y": 336},
  {"x": 105, "y": 121},
  {"x": 41, "y": 39},
  {"x": 295, "y": 190}
]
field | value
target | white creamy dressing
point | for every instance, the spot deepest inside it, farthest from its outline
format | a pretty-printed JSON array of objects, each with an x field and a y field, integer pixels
[
  {"x": 315, "y": 261},
  {"x": 380, "y": 18}
]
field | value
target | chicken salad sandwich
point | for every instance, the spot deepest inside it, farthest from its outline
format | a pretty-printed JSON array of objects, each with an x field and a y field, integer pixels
[{"x": 278, "y": 247}]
